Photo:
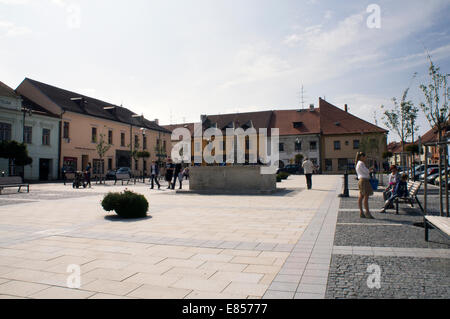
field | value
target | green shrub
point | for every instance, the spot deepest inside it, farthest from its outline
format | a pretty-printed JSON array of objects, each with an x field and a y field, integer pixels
[
  {"x": 284, "y": 175},
  {"x": 126, "y": 204}
]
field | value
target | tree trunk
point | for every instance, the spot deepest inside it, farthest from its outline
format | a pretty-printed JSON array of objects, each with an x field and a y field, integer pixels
[
  {"x": 425, "y": 186},
  {"x": 446, "y": 179},
  {"x": 441, "y": 204}
]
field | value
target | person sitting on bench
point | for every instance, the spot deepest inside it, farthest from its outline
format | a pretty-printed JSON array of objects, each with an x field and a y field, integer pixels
[{"x": 400, "y": 190}]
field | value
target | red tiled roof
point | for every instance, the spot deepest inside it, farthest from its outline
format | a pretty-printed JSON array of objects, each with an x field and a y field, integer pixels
[
  {"x": 322, "y": 120},
  {"x": 396, "y": 147},
  {"x": 335, "y": 121},
  {"x": 432, "y": 135},
  {"x": 284, "y": 121}
]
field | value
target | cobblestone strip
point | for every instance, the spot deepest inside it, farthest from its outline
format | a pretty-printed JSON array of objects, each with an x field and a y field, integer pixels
[
  {"x": 305, "y": 272},
  {"x": 392, "y": 251}
]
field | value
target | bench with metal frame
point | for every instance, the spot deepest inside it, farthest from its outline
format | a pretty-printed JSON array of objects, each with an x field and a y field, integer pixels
[
  {"x": 122, "y": 177},
  {"x": 442, "y": 224},
  {"x": 413, "y": 189},
  {"x": 13, "y": 181}
]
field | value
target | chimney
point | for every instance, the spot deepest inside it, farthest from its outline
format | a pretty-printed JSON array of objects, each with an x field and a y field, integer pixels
[
  {"x": 311, "y": 107},
  {"x": 346, "y": 108},
  {"x": 157, "y": 121}
]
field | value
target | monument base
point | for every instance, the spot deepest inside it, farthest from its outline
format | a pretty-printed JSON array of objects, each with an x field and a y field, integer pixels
[{"x": 228, "y": 180}]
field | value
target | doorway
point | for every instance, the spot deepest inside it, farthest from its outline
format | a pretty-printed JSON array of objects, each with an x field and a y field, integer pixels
[
  {"x": 44, "y": 169},
  {"x": 84, "y": 162}
]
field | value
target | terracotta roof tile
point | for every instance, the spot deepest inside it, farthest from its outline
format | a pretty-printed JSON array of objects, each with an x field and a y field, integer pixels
[
  {"x": 308, "y": 122},
  {"x": 334, "y": 121}
]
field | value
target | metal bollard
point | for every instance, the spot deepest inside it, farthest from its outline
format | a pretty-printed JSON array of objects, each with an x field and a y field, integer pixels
[{"x": 345, "y": 192}]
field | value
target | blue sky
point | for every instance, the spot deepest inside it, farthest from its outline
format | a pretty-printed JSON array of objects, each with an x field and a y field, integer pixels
[{"x": 174, "y": 60}]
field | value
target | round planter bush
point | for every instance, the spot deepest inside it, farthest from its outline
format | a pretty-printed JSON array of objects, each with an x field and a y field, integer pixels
[
  {"x": 126, "y": 204},
  {"x": 284, "y": 175}
]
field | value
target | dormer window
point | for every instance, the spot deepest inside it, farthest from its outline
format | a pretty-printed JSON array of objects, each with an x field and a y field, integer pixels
[
  {"x": 298, "y": 124},
  {"x": 229, "y": 125}
]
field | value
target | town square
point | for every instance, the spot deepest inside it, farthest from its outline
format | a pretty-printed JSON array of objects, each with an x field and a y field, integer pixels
[{"x": 309, "y": 160}]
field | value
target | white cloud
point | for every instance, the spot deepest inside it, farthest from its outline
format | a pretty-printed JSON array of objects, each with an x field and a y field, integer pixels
[
  {"x": 9, "y": 30},
  {"x": 61, "y": 3},
  {"x": 14, "y": 2},
  {"x": 253, "y": 63},
  {"x": 328, "y": 15}
]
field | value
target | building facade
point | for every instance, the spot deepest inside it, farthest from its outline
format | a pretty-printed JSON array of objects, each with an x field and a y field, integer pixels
[
  {"x": 343, "y": 135},
  {"x": 431, "y": 137},
  {"x": 85, "y": 122},
  {"x": 299, "y": 135},
  {"x": 23, "y": 121},
  {"x": 327, "y": 135}
]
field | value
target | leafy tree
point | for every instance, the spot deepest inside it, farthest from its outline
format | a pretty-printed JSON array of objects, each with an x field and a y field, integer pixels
[
  {"x": 387, "y": 154},
  {"x": 298, "y": 159},
  {"x": 15, "y": 152},
  {"x": 413, "y": 149},
  {"x": 401, "y": 118},
  {"x": 143, "y": 154},
  {"x": 102, "y": 148},
  {"x": 436, "y": 95},
  {"x": 436, "y": 111},
  {"x": 372, "y": 146}
]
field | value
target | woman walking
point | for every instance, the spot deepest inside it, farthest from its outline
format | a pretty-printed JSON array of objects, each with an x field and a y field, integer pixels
[
  {"x": 169, "y": 172},
  {"x": 365, "y": 189}
]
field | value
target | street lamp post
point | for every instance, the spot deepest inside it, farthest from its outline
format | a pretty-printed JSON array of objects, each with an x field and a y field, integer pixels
[{"x": 143, "y": 150}]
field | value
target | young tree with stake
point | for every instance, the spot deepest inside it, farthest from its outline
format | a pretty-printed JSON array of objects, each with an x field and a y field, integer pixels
[{"x": 436, "y": 111}]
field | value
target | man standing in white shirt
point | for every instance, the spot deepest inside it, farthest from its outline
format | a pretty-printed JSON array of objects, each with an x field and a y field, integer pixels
[{"x": 308, "y": 168}]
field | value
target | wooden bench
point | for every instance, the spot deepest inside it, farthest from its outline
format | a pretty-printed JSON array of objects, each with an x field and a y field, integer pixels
[
  {"x": 13, "y": 181},
  {"x": 413, "y": 189},
  {"x": 122, "y": 177},
  {"x": 442, "y": 224}
]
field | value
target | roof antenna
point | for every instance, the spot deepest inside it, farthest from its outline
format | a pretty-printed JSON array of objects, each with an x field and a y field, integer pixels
[{"x": 302, "y": 97}]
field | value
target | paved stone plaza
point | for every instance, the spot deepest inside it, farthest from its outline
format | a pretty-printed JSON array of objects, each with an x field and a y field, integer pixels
[
  {"x": 199, "y": 246},
  {"x": 410, "y": 266}
]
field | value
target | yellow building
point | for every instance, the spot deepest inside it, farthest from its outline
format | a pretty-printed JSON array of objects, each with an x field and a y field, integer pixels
[
  {"x": 85, "y": 121},
  {"x": 244, "y": 121},
  {"x": 343, "y": 135}
]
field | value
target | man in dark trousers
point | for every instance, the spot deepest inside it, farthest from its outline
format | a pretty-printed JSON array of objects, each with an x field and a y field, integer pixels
[
  {"x": 88, "y": 174},
  {"x": 308, "y": 168},
  {"x": 178, "y": 168},
  {"x": 154, "y": 173}
]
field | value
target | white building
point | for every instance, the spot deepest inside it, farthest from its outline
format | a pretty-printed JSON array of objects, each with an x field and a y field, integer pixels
[{"x": 40, "y": 132}]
